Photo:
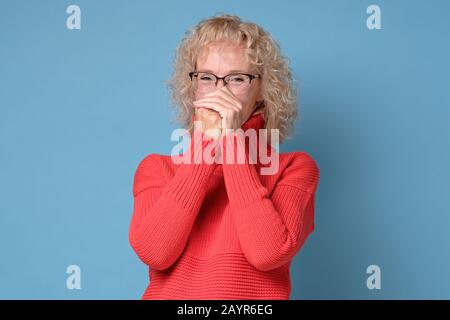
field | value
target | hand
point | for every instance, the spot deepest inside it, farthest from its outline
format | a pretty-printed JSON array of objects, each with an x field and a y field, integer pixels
[
  {"x": 226, "y": 105},
  {"x": 206, "y": 120}
]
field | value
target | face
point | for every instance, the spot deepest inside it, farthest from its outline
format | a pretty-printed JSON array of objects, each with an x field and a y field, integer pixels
[{"x": 224, "y": 58}]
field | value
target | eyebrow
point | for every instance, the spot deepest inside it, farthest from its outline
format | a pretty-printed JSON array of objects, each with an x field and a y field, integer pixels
[{"x": 229, "y": 72}]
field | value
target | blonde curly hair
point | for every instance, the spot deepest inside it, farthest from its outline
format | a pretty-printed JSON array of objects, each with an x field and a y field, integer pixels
[{"x": 263, "y": 52}]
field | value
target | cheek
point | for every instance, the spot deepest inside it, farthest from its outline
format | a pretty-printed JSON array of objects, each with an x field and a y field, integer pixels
[
  {"x": 246, "y": 99},
  {"x": 198, "y": 95}
]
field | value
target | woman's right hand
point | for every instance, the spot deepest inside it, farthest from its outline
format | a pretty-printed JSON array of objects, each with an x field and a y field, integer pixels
[{"x": 208, "y": 121}]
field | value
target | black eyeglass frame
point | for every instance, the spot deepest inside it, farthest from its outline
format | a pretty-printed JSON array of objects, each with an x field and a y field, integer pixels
[{"x": 251, "y": 76}]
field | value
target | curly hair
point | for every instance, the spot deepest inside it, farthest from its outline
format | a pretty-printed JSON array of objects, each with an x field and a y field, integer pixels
[{"x": 263, "y": 53}]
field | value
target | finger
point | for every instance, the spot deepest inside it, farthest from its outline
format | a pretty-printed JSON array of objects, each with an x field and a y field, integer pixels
[
  {"x": 229, "y": 97},
  {"x": 205, "y": 113},
  {"x": 228, "y": 93},
  {"x": 223, "y": 111},
  {"x": 225, "y": 94},
  {"x": 217, "y": 99},
  {"x": 210, "y": 119}
]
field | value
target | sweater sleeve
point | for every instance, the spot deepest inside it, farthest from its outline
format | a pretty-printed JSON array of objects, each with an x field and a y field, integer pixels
[
  {"x": 271, "y": 227},
  {"x": 164, "y": 211}
]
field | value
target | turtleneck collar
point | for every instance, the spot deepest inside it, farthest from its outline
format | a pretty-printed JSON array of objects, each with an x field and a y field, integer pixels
[{"x": 256, "y": 121}]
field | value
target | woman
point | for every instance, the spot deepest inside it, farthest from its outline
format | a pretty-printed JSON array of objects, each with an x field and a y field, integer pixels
[{"x": 219, "y": 230}]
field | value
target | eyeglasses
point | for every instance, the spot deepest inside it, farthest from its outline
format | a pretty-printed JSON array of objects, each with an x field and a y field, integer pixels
[{"x": 236, "y": 82}]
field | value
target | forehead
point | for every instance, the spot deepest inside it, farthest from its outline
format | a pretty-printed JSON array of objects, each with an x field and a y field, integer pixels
[{"x": 222, "y": 58}]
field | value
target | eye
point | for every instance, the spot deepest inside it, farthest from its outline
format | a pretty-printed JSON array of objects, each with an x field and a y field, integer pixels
[
  {"x": 237, "y": 78},
  {"x": 206, "y": 77}
]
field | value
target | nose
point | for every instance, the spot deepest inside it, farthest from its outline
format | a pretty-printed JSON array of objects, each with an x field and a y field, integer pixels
[{"x": 222, "y": 83}]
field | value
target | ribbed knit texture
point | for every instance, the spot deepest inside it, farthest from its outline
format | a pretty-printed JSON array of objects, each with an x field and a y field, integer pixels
[{"x": 221, "y": 231}]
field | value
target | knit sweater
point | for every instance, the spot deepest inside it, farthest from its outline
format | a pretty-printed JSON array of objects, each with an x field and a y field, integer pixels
[{"x": 221, "y": 230}]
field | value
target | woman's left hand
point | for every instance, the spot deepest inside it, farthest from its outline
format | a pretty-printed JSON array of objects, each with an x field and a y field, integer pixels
[{"x": 227, "y": 105}]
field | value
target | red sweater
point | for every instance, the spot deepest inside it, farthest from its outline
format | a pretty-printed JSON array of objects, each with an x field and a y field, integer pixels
[{"x": 221, "y": 231}]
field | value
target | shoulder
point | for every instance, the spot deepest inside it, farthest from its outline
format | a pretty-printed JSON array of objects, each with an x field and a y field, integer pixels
[
  {"x": 301, "y": 158},
  {"x": 148, "y": 173},
  {"x": 148, "y": 162},
  {"x": 300, "y": 170}
]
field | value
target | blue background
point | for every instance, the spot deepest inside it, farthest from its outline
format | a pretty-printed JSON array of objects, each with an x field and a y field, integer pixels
[{"x": 79, "y": 109}]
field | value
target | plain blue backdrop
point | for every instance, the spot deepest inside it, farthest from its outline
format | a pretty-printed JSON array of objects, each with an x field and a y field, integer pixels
[{"x": 79, "y": 109}]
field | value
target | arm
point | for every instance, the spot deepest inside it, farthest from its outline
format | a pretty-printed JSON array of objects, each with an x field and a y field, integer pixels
[
  {"x": 164, "y": 211},
  {"x": 271, "y": 229}
]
